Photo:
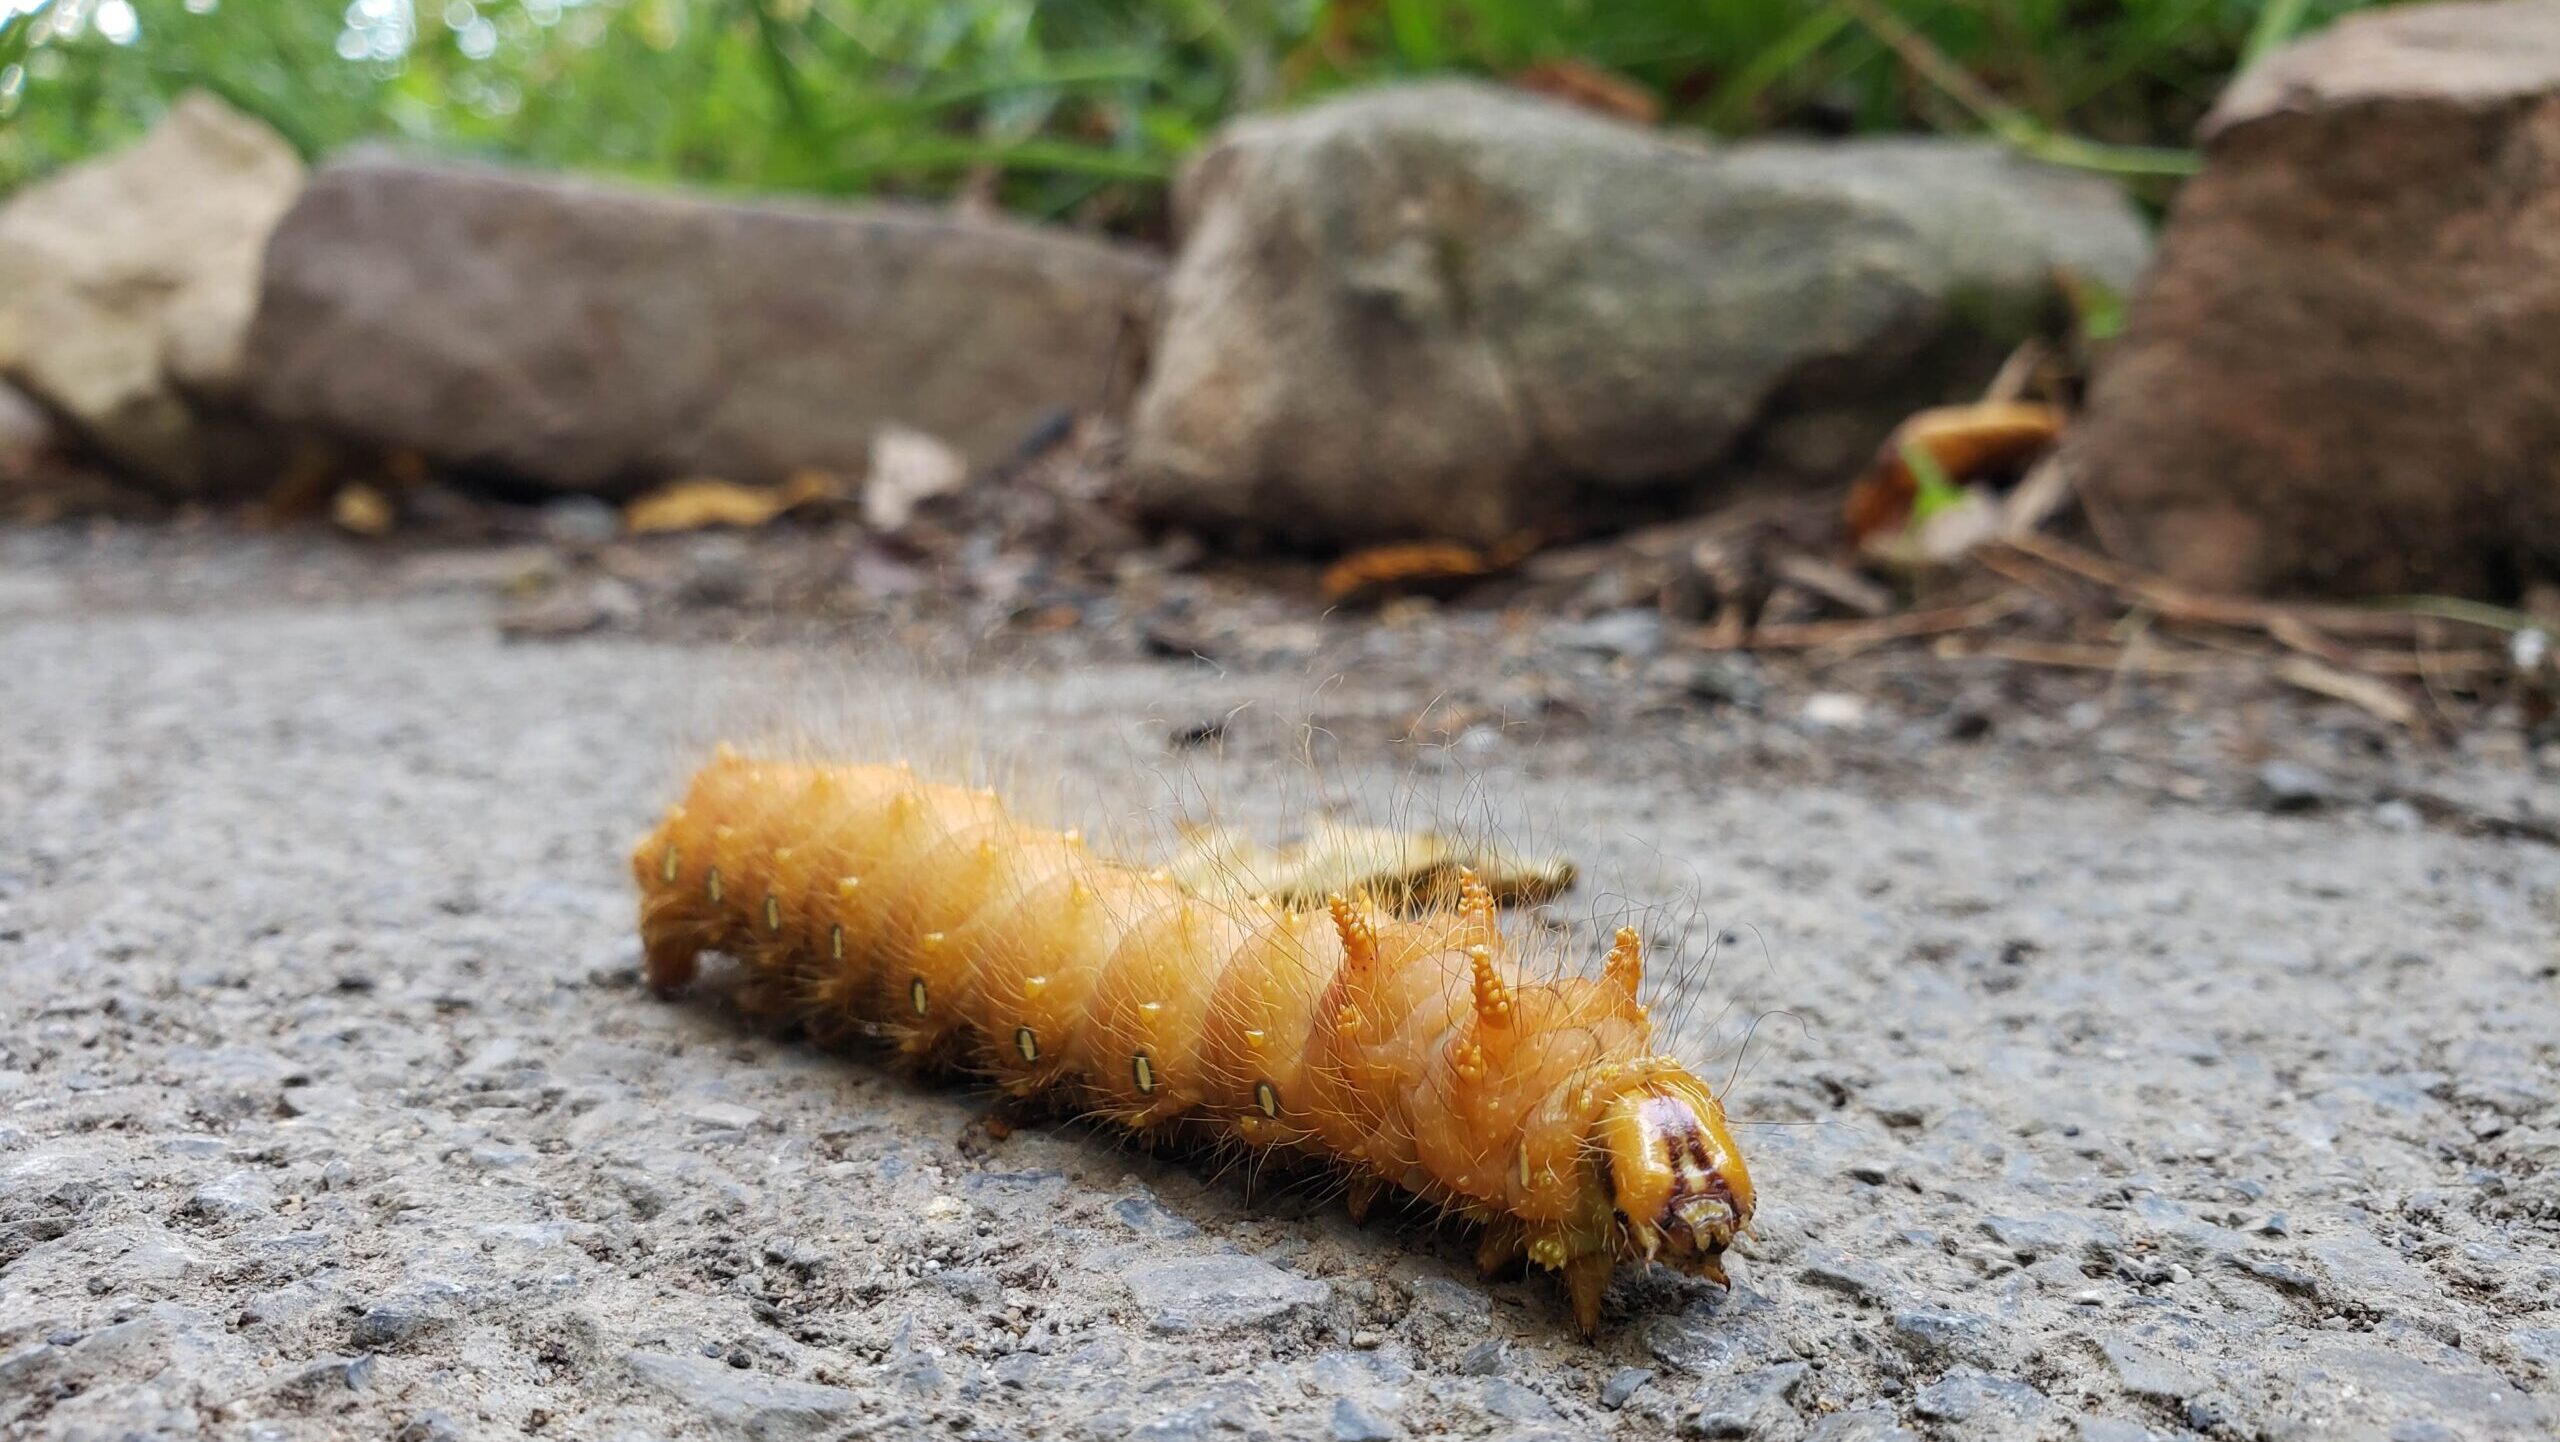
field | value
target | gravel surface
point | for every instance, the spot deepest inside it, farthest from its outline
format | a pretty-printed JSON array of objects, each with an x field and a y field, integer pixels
[{"x": 330, "y": 1106}]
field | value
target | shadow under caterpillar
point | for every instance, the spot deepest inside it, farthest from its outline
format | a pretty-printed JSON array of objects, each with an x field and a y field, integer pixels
[{"x": 1411, "y": 1053}]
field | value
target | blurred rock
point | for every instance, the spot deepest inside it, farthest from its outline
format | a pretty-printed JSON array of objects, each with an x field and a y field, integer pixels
[
  {"x": 597, "y": 338},
  {"x": 1355, "y": 1422},
  {"x": 1630, "y": 633},
  {"x": 580, "y": 521},
  {"x": 127, "y": 283},
  {"x": 2345, "y": 374},
  {"x": 2290, "y": 786},
  {"x": 26, "y": 434},
  {"x": 908, "y": 468},
  {"x": 326, "y": 1374},
  {"x": 1451, "y": 310},
  {"x": 430, "y": 1426}
]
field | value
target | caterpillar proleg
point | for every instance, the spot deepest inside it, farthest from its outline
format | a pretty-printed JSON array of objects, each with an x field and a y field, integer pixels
[{"x": 1411, "y": 1052}]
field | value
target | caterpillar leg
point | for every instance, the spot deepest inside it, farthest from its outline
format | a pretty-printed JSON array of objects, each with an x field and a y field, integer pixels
[
  {"x": 993, "y": 1126},
  {"x": 1010, "y": 1113},
  {"x": 669, "y": 962},
  {"x": 765, "y": 999},
  {"x": 1502, "y": 1249},
  {"x": 1586, "y": 1279},
  {"x": 1362, "y": 1197}
]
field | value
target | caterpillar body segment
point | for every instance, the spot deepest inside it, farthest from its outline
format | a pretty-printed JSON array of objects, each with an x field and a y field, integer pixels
[{"x": 1413, "y": 1053}]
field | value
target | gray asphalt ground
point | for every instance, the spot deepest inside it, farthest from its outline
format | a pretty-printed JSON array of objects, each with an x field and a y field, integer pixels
[{"x": 330, "y": 1106}]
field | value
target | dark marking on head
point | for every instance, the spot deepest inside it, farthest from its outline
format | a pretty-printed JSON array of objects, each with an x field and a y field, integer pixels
[{"x": 1701, "y": 1199}]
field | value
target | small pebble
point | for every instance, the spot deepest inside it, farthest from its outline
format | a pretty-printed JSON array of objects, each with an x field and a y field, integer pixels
[
  {"x": 1622, "y": 1384},
  {"x": 1834, "y": 711},
  {"x": 2288, "y": 787}
]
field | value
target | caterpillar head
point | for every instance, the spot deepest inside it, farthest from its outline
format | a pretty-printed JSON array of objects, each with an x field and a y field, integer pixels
[{"x": 1679, "y": 1185}]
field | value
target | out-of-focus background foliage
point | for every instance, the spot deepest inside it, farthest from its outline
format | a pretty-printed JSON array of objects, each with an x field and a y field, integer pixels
[{"x": 1081, "y": 108}]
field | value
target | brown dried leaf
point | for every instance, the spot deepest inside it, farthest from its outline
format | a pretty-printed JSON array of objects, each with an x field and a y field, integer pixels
[
  {"x": 2037, "y": 498},
  {"x": 1592, "y": 87},
  {"x": 1968, "y": 442},
  {"x": 694, "y": 505},
  {"x": 1403, "y": 870},
  {"x": 1838, "y": 585},
  {"x": 697, "y": 504},
  {"x": 1382, "y": 571},
  {"x": 303, "y": 490},
  {"x": 361, "y": 510},
  {"x": 2379, "y": 697}
]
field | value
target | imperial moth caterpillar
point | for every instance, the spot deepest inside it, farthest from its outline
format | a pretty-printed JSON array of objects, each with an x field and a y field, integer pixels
[{"x": 1413, "y": 1052}]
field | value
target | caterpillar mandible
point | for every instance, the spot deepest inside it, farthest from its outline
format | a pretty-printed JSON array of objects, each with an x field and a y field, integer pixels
[{"x": 1411, "y": 1052}]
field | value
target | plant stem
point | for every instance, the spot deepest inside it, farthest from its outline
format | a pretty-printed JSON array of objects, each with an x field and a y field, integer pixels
[{"x": 2014, "y": 127}]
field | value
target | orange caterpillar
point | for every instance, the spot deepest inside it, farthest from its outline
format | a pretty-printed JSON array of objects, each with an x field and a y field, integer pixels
[{"x": 1411, "y": 1053}]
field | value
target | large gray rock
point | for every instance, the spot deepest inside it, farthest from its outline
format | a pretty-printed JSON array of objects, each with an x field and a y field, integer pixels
[
  {"x": 126, "y": 287},
  {"x": 2345, "y": 374},
  {"x": 1452, "y": 310},
  {"x": 596, "y": 338}
]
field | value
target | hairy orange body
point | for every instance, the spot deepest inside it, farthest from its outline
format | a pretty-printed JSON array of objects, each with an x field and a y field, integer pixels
[{"x": 1413, "y": 1053}]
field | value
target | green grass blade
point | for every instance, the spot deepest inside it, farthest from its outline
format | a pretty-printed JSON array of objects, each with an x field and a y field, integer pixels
[
  {"x": 1735, "y": 97},
  {"x": 2456, "y": 608},
  {"x": 2279, "y": 22},
  {"x": 774, "y": 43},
  {"x": 1071, "y": 73},
  {"x": 1415, "y": 27},
  {"x": 1933, "y": 489},
  {"x": 2012, "y": 125},
  {"x": 932, "y": 153}
]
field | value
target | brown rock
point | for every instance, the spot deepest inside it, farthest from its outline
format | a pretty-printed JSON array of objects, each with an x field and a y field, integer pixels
[
  {"x": 126, "y": 287},
  {"x": 26, "y": 435},
  {"x": 2344, "y": 373},
  {"x": 1452, "y": 311},
  {"x": 597, "y": 338}
]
